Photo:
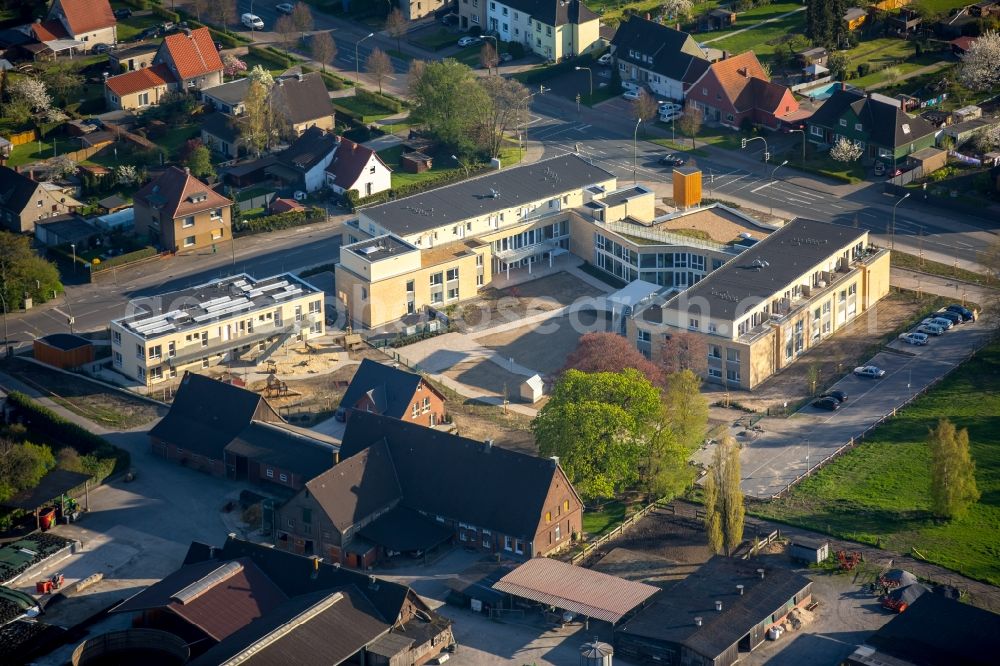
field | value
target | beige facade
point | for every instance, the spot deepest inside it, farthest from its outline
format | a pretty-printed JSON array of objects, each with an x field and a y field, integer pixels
[
  {"x": 472, "y": 13},
  {"x": 751, "y": 336},
  {"x": 139, "y": 99},
  {"x": 564, "y": 41},
  {"x": 417, "y": 9},
  {"x": 185, "y": 233},
  {"x": 323, "y": 122},
  {"x": 231, "y": 320}
]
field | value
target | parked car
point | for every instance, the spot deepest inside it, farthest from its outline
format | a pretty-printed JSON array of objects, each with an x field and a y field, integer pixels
[
  {"x": 670, "y": 115},
  {"x": 284, "y": 8},
  {"x": 914, "y": 338},
  {"x": 673, "y": 159},
  {"x": 967, "y": 314},
  {"x": 872, "y": 371},
  {"x": 122, "y": 13},
  {"x": 340, "y": 414},
  {"x": 837, "y": 394},
  {"x": 506, "y": 57},
  {"x": 149, "y": 33},
  {"x": 829, "y": 403},
  {"x": 100, "y": 48},
  {"x": 252, "y": 21},
  {"x": 669, "y": 106},
  {"x": 449, "y": 19},
  {"x": 604, "y": 59},
  {"x": 953, "y": 317},
  {"x": 469, "y": 40},
  {"x": 930, "y": 329},
  {"x": 939, "y": 321},
  {"x": 632, "y": 95}
]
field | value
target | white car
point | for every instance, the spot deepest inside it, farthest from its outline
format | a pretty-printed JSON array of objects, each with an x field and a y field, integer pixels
[
  {"x": 670, "y": 115},
  {"x": 468, "y": 41},
  {"x": 632, "y": 95},
  {"x": 930, "y": 329},
  {"x": 872, "y": 371},
  {"x": 252, "y": 21},
  {"x": 669, "y": 106},
  {"x": 604, "y": 59},
  {"x": 946, "y": 324},
  {"x": 914, "y": 338}
]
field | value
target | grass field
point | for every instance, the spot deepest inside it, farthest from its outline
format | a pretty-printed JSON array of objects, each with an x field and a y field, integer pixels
[
  {"x": 129, "y": 29},
  {"x": 879, "y": 492},
  {"x": 441, "y": 166},
  {"x": 438, "y": 40},
  {"x": 914, "y": 262},
  {"x": 596, "y": 523},
  {"x": 363, "y": 107},
  {"x": 614, "y": 9},
  {"x": 763, "y": 40}
]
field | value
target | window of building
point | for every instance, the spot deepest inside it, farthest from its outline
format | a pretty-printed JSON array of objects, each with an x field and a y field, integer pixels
[
  {"x": 116, "y": 337},
  {"x": 712, "y": 328},
  {"x": 843, "y": 122},
  {"x": 452, "y": 274},
  {"x": 859, "y": 127},
  {"x": 508, "y": 543},
  {"x": 416, "y": 410},
  {"x": 558, "y": 533},
  {"x": 565, "y": 505},
  {"x": 843, "y": 295},
  {"x": 519, "y": 547},
  {"x": 714, "y": 351},
  {"x": 187, "y": 222},
  {"x": 204, "y": 362},
  {"x": 852, "y": 290},
  {"x": 118, "y": 359},
  {"x": 217, "y": 234},
  {"x": 453, "y": 293},
  {"x": 733, "y": 376},
  {"x": 715, "y": 372},
  {"x": 644, "y": 336},
  {"x": 693, "y": 323},
  {"x": 189, "y": 241},
  {"x": 270, "y": 474},
  {"x": 437, "y": 297},
  {"x": 284, "y": 477},
  {"x": 437, "y": 278},
  {"x": 733, "y": 355},
  {"x": 140, "y": 352}
]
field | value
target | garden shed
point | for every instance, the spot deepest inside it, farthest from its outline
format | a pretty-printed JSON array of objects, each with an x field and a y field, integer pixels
[
  {"x": 532, "y": 389},
  {"x": 415, "y": 162},
  {"x": 63, "y": 350},
  {"x": 810, "y": 551}
]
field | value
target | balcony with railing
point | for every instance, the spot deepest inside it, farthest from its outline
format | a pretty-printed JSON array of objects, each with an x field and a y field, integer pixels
[{"x": 261, "y": 332}]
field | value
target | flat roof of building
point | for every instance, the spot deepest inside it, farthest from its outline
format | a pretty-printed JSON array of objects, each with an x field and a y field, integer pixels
[
  {"x": 768, "y": 266},
  {"x": 380, "y": 247},
  {"x": 221, "y": 299},
  {"x": 720, "y": 223},
  {"x": 621, "y": 196},
  {"x": 485, "y": 194}
]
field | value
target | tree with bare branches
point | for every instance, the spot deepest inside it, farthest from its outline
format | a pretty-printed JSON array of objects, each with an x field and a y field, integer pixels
[
  {"x": 488, "y": 57},
  {"x": 645, "y": 107},
  {"x": 379, "y": 65},
  {"x": 684, "y": 350},
  {"x": 501, "y": 111},
  {"x": 198, "y": 6},
  {"x": 396, "y": 26},
  {"x": 285, "y": 29},
  {"x": 222, "y": 12},
  {"x": 690, "y": 123},
  {"x": 322, "y": 48},
  {"x": 302, "y": 18}
]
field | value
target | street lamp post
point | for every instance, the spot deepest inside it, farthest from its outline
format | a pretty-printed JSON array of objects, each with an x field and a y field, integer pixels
[
  {"x": 521, "y": 150},
  {"x": 803, "y": 133},
  {"x": 496, "y": 55},
  {"x": 357, "y": 63},
  {"x": 774, "y": 171},
  {"x": 635, "y": 149},
  {"x": 590, "y": 75},
  {"x": 767, "y": 154},
  {"x": 73, "y": 245},
  {"x": 462, "y": 164},
  {"x": 892, "y": 229},
  {"x": 5, "y": 338},
  {"x": 807, "y": 454}
]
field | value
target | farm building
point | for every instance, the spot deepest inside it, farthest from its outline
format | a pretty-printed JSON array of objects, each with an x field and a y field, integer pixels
[
  {"x": 719, "y": 612},
  {"x": 810, "y": 551}
]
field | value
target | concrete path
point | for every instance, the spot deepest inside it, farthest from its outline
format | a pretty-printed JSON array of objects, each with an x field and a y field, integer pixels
[
  {"x": 960, "y": 290},
  {"x": 935, "y": 67},
  {"x": 755, "y": 25}
]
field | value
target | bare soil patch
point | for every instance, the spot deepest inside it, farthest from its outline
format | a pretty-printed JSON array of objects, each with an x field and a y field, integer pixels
[
  {"x": 544, "y": 347},
  {"x": 497, "y": 306},
  {"x": 481, "y": 422}
]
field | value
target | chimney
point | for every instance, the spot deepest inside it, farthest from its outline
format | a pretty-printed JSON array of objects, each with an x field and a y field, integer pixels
[
  {"x": 489, "y": 445},
  {"x": 739, "y": 588},
  {"x": 760, "y": 572},
  {"x": 300, "y": 76},
  {"x": 697, "y": 621},
  {"x": 187, "y": 170},
  {"x": 555, "y": 460},
  {"x": 725, "y": 55},
  {"x": 718, "y": 606},
  {"x": 336, "y": 457}
]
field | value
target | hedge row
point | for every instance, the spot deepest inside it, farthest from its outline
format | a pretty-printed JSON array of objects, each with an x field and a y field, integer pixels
[
  {"x": 127, "y": 258},
  {"x": 438, "y": 180},
  {"x": 137, "y": 4},
  {"x": 332, "y": 81},
  {"x": 388, "y": 102},
  {"x": 272, "y": 56},
  {"x": 43, "y": 420},
  {"x": 543, "y": 74},
  {"x": 166, "y": 14},
  {"x": 227, "y": 39},
  {"x": 295, "y": 218}
]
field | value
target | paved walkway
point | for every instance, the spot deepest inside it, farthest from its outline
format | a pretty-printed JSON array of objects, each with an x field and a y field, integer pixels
[
  {"x": 755, "y": 25},
  {"x": 943, "y": 286}
]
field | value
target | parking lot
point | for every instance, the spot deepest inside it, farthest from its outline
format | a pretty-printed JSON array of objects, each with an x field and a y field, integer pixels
[{"x": 786, "y": 448}]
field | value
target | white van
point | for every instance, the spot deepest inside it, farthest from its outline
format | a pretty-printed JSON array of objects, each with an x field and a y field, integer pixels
[
  {"x": 252, "y": 21},
  {"x": 630, "y": 86}
]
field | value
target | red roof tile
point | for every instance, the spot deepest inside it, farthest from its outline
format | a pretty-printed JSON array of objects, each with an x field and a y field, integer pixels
[
  {"x": 139, "y": 80},
  {"x": 172, "y": 193},
  {"x": 86, "y": 15},
  {"x": 735, "y": 73},
  {"x": 48, "y": 31},
  {"x": 193, "y": 54}
]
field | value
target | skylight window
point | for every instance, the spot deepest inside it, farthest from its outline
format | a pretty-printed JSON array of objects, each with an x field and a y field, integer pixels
[{"x": 906, "y": 129}]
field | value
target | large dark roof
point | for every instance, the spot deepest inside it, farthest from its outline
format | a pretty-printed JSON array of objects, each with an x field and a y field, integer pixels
[
  {"x": 349, "y": 161},
  {"x": 447, "y": 475},
  {"x": 16, "y": 189},
  {"x": 65, "y": 341},
  {"x": 390, "y": 389},
  {"x": 278, "y": 446},
  {"x": 671, "y": 616},
  {"x": 554, "y": 12},
  {"x": 404, "y": 530},
  {"x": 885, "y": 122},
  {"x": 787, "y": 253},
  {"x": 474, "y": 197},
  {"x": 206, "y": 415},
  {"x": 57, "y": 482},
  {"x": 302, "y": 99},
  {"x": 309, "y": 149},
  {"x": 231, "y": 93},
  {"x": 222, "y": 126},
  {"x": 937, "y": 631},
  {"x": 359, "y": 486},
  {"x": 672, "y": 51}
]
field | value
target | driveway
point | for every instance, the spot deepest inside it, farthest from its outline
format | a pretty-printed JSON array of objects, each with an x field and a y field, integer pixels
[{"x": 788, "y": 447}]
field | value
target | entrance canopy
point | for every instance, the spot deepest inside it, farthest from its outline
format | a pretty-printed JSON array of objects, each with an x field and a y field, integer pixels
[
  {"x": 583, "y": 591},
  {"x": 50, "y": 489}
]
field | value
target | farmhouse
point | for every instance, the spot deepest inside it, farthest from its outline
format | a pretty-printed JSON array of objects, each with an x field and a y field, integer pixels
[{"x": 389, "y": 391}]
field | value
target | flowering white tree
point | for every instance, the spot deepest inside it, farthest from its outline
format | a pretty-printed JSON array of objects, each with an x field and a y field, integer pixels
[
  {"x": 980, "y": 69},
  {"x": 126, "y": 174},
  {"x": 676, "y": 8},
  {"x": 231, "y": 65},
  {"x": 33, "y": 92},
  {"x": 262, "y": 76},
  {"x": 988, "y": 139},
  {"x": 845, "y": 150},
  {"x": 62, "y": 166}
]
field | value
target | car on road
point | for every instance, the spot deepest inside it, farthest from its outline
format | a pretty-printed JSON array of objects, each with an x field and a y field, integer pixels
[
  {"x": 872, "y": 371},
  {"x": 100, "y": 48},
  {"x": 953, "y": 317},
  {"x": 469, "y": 40},
  {"x": 914, "y": 338},
  {"x": 967, "y": 314},
  {"x": 149, "y": 33},
  {"x": 939, "y": 321},
  {"x": 837, "y": 394},
  {"x": 930, "y": 329},
  {"x": 673, "y": 159},
  {"x": 252, "y": 21},
  {"x": 122, "y": 13},
  {"x": 506, "y": 57},
  {"x": 284, "y": 8},
  {"x": 829, "y": 403},
  {"x": 604, "y": 59},
  {"x": 632, "y": 95}
]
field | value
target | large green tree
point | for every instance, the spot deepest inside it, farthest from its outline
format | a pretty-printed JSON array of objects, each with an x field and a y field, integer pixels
[
  {"x": 599, "y": 425},
  {"x": 724, "y": 510},
  {"x": 22, "y": 272},
  {"x": 685, "y": 409},
  {"x": 22, "y": 465},
  {"x": 449, "y": 101},
  {"x": 825, "y": 21},
  {"x": 953, "y": 472}
]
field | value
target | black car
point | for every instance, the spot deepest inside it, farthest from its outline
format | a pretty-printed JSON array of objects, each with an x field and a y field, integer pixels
[
  {"x": 149, "y": 33},
  {"x": 961, "y": 310},
  {"x": 828, "y": 403},
  {"x": 953, "y": 317},
  {"x": 340, "y": 414},
  {"x": 839, "y": 396},
  {"x": 122, "y": 13},
  {"x": 672, "y": 159}
]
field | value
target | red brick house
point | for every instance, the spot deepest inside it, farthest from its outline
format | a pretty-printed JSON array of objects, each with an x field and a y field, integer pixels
[
  {"x": 382, "y": 389},
  {"x": 737, "y": 89},
  {"x": 401, "y": 488}
]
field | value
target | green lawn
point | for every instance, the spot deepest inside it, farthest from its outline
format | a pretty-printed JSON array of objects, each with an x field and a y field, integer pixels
[
  {"x": 614, "y": 9},
  {"x": 879, "y": 492},
  {"x": 596, "y": 523},
  {"x": 879, "y": 50},
  {"x": 129, "y": 29},
  {"x": 901, "y": 70},
  {"x": 438, "y": 40},
  {"x": 442, "y": 166},
  {"x": 763, "y": 40},
  {"x": 719, "y": 137},
  {"x": 36, "y": 151},
  {"x": 822, "y": 164},
  {"x": 916, "y": 263},
  {"x": 364, "y": 107},
  {"x": 252, "y": 59}
]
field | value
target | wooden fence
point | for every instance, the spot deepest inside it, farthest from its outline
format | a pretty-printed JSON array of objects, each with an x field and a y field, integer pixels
[
  {"x": 23, "y": 137},
  {"x": 626, "y": 524},
  {"x": 86, "y": 153}
]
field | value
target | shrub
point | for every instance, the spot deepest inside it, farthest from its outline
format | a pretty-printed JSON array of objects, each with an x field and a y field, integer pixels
[
  {"x": 516, "y": 49},
  {"x": 166, "y": 14},
  {"x": 128, "y": 257},
  {"x": 863, "y": 69},
  {"x": 287, "y": 220},
  {"x": 137, "y": 4},
  {"x": 270, "y": 57},
  {"x": 387, "y": 102}
]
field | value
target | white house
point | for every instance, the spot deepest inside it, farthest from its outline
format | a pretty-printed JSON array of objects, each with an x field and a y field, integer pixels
[
  {"x": 356, "y": 167},
  {"x": 668, "y": 61}
]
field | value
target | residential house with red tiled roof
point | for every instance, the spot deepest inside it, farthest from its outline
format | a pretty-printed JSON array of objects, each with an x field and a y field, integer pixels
[
  {"x": 356, "y": 167},
  {"x": 89, "y": 21},
  {"x": 185, "y": 61},
  {"x": 737, "y": 90},
  {"x": 178, "y": 212}
]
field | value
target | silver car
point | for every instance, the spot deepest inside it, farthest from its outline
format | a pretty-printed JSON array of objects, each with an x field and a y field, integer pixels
[
  {"x": 930, "y": 329},
  {"x": 939, "y": 321}
]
